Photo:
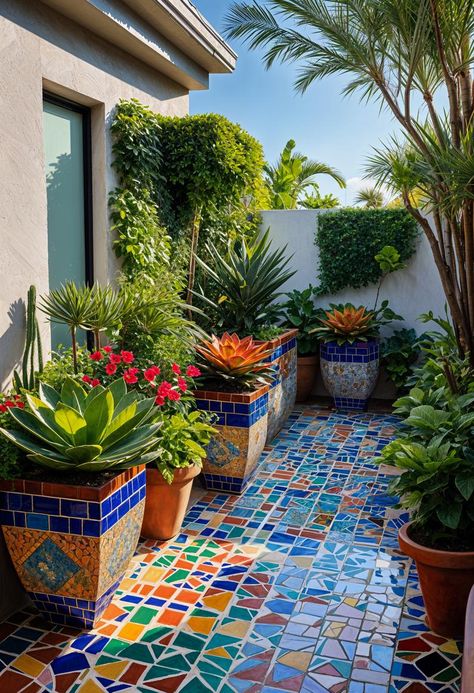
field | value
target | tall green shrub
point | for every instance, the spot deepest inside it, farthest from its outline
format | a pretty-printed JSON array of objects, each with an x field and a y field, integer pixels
[{"x": 349, "y": 239}]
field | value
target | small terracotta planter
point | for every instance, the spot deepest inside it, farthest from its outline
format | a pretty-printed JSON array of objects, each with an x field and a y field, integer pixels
[
  {"x": 446, "y": 578},
  {"x": 166, "y": 504},
  {"x": 467, "y": 682},
  {"x": 70, "y": 544},
  {"x": 306, "y": 376}
]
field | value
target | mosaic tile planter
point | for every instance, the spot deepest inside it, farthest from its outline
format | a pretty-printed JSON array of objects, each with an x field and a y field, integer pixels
[
  {"x": 350, "y": 372},
  {"x": 71, "y": 545},
  {"x": 282, "y": 394},
  {"x": 233, "y": 454}
]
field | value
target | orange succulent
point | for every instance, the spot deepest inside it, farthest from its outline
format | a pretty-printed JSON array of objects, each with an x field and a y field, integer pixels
[
  {"x": 349, "y": 321},
  {"x": 233, "y": 358}
]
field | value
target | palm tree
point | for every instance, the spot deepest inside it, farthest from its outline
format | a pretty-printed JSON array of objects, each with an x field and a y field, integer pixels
[
  {"x": 293, "y": 175},
  {"x": 371, "y": 198},
  {"x": 402, "y": 53}
]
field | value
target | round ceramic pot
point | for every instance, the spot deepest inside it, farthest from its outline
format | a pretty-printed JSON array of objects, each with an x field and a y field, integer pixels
[
  {"x": 306, "y": 376},
  {"x": 446, "y": 578},
  {"x": 166, "y": 504},
  {"x": 350, "y": 372}
]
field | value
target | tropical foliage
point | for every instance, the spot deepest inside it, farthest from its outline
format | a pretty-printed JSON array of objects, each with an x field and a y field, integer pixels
[
  {"x": 92, "y": 431},
  {"x": 400, "y": 353},
  {"x": 410, "y": 56},
  {"x": 300, "y": 313},
  {"x": 349, "y": 240},
  {"x": 235, "y": 361},
  {"x": 371, "y": 198},
  {"x": 293, "y": 175},
  {"x": 248, "y": 279}
]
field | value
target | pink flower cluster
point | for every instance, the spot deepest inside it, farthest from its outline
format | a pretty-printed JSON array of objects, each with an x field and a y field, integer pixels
[{"x": 119, "y": 363}]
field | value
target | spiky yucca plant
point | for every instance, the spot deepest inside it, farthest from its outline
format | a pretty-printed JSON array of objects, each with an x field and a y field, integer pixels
[{"x": 237, "y": 362}]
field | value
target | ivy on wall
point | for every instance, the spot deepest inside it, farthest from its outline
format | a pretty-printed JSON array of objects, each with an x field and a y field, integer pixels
[{"x": 349, "y": 239}]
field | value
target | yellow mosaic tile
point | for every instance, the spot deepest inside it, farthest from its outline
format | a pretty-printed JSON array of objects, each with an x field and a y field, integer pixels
[
  {"x": 131, "y": 631},
  {"x": 28, "y": 665}
]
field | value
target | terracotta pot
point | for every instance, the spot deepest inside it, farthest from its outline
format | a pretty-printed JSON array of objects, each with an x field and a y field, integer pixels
[
  {"x": 306, "y": 376},
  {"x": 166, "y": 504},
  {"x": 446, "y": 578},
  {"x": 467, "y": 685}
]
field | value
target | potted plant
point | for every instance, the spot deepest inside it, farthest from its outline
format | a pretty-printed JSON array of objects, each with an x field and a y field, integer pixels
[
  {"x": 301, "y": 314},
  {"x": 73, "y": 520},
  {"x": 182, "y": 441},
  {"x": 437, "y": 484},
  {"x": 350, "y": 352},
  {"x": 247, "y": 281},
  {"x": 235, "y": 388}
]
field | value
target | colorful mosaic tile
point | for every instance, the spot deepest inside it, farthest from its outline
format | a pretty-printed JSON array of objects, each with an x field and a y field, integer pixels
[
  {"x": 296, "y": 585},
  {"x": 282, "y": 395},
  {"x": 350, "y": 372}
]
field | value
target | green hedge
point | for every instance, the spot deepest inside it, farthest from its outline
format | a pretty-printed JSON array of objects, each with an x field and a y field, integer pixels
[{"x": 348, "y": 240}]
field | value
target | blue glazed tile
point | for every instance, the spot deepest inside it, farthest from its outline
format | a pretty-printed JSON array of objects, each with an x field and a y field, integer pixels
[
  {"x": 46, "y": 504},
  {"x": 36, "y": 521},
  {"x": 91, "y": 528},
  {"x": 20, "y": 501},
  {"x": 75, "y": 526},
  {"x": 59, "y": 524},
  {"x": 74, "y": 508}
]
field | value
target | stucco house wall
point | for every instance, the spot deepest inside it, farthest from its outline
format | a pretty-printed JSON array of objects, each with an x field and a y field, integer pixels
[{"x": 92, "y": 52}]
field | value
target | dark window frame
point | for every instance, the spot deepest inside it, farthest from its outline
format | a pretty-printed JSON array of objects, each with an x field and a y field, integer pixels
[{"x": 87, "y": 167}]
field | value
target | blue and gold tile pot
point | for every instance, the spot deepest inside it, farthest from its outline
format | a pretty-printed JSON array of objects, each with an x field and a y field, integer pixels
[
  {"x": 350, "y": 372},
  {"x": 71, "y": 545}
]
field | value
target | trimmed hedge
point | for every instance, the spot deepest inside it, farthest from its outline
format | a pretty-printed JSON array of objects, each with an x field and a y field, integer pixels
[{"x": 349, "y": 239}]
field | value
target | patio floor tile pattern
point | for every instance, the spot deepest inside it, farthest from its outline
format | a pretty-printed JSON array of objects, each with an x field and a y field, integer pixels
[{"x": 297, "y": 585}]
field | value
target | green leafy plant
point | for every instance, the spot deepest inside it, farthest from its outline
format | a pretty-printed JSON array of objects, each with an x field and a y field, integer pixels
[
  {"x": 293, "y": 175},
  {"x": 300, "y": 313},
  {"x": 437, "y": 485},
  {"x": 315, "y": 200},
  {"x": 60, "y": 367},
  {"x": 182, "y": 440},
  {"x": 346, "y": 324},
  {"x": 11, "y": 457},
  {"x": 350, "y": 239},
  {"x": 32, "y": 345},
  {"x": 400, "y": 353},
  {"x": 238, "y": 363},
  {"x": 371, "y": 198},
  {"x": 103, "y": 429},
  {"x": 248, "y": 279}
]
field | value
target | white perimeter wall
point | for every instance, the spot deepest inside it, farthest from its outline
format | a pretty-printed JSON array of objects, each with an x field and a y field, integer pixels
[{"x": 411, "y": 291}]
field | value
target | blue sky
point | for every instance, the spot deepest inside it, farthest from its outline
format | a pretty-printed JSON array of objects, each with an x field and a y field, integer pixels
[{"x": 339, "y": 131}]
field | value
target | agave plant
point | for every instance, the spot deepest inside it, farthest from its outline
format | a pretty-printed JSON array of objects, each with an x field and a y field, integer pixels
[
  {"x": 236, "y": 361},
  {"x": 248, "y": 280},
  {"x": 347, "y": 324},
  {"x": 103, "y": 429}
]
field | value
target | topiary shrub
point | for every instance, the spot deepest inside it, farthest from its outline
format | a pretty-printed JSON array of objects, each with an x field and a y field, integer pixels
[{"x": 349, "y": 239}]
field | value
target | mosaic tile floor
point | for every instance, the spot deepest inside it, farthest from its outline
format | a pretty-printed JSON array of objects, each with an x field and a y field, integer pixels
[{"x": 297, "y": 585}]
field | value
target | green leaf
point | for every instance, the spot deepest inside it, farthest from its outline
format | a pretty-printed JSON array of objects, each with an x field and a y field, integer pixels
[
  {"x": 68, "y": 419},
  {"x": 118, "y": 389},
  {"x": 465, "y": 485},
  {"x": 449, "y": 514},
  {"x": 49, "y": 395},
  {"x": 98, "y": 415},
  {"x": 73, "y": 395},
  {"x": 84, "y": 453}
]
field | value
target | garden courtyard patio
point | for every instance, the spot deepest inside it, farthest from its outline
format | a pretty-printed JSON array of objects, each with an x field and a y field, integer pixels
[{"x": 296, "y": 585}]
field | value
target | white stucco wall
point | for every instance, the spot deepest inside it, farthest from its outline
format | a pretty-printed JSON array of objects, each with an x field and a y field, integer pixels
[
  {"x": 40, "y": 48},
  {"x": 411, "y": 291}
]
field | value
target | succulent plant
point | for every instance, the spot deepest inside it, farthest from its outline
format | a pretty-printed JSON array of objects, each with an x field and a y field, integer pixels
[
  {"x": 237, "y": 361},
  {"x": 103, "y": 429},
  {"x": 348, "y": 324}
]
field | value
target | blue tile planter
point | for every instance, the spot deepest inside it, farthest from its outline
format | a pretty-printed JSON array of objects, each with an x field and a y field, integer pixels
[
  {"x": 282, "y": 394},
  {"x": 350, "y": 372},
  {"x": 71, "y": 545},
  {"x": 233, "y": 454}
]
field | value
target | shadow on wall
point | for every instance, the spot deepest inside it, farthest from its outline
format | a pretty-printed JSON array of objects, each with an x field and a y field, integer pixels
[{"x": 11, "y": 341}]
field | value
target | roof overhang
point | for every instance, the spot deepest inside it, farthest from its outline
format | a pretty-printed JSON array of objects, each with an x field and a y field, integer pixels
[{"x": 169, "y": 35}]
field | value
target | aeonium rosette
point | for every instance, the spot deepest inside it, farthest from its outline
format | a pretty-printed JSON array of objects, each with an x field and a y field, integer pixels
[{"x": 109, "y": 363}]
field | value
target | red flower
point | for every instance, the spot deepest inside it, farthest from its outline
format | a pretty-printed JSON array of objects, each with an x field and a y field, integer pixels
[
  {"x": 110, "y": 368},
  {"x": 20, "y": 405},
  {"x": 164, "y": 389},
  {"x": 86, "y": 379},
  {"x": 176, "y": 369},
  {"x": 127, "y": 356},
  {"x": 193, "y": 372},
  {"x": 159, "y": 401},
  {"x": 95, "y": 382},
  {"x": 149, "y": 374},
  {"x": 133, "y": 370},
  {"x": 182, "y": 384},
  {"x": 156, "y": 369},
  {"x": 115, "y": 358},
  {"x": 107, "y": 349},
  {"x": 129, "y": 377},
  {"x": 96, "y": 356},
  {"x": 8, "y": 403},
  {"x": 174, "y": 396},
  {"x": 3, "y": 408}
]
